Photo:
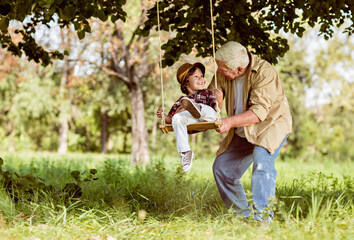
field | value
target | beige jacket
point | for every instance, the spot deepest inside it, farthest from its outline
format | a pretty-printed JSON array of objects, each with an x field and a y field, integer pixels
[{"x": 264, "y": 95}]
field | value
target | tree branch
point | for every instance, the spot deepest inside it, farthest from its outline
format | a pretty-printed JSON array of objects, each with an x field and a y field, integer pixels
[{"x": 121, "y": 77}]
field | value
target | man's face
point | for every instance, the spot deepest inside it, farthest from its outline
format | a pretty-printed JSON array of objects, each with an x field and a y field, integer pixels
[{"x": 227, "y": 72}]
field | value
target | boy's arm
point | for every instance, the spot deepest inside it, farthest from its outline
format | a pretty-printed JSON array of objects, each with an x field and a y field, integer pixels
[{"x": 168, "y": 119}]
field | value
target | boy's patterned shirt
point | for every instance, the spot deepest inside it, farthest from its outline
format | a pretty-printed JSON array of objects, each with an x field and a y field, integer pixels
[{"x": 204, "y": 96}]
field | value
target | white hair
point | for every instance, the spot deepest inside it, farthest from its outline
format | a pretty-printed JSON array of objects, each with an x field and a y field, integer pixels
[{"x": 233, "y": 54}]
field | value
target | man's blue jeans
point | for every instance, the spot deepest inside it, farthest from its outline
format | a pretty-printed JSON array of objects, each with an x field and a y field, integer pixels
[{"x": 228, "y": 169}]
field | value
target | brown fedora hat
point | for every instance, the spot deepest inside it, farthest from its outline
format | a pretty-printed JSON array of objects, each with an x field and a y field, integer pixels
[{"x": 183, "y": 70}]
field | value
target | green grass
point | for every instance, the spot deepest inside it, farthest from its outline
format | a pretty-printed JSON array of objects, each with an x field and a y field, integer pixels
[{"x": 314, "y": 200}]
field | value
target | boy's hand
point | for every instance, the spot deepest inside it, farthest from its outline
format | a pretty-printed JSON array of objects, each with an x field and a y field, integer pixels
[
  {"x": 159, "y": 113},
  {"x": 219, "y": 96},
  {"x": 167, "y": 118}
]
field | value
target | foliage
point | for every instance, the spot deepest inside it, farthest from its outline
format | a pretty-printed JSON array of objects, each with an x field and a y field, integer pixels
[
  {"x": 160, "y": 200},
  {"x": 30, "y": 188},
  {"x": 319, "y": 131},
  {"x": 27, "y": 104},
  {"x": 337, "y": 136},
  {"x": 315, "y": 196},
  {"x": 295, "y": 74},
  {"x": 252, "y": 23},
  {"x": 31, "y": 14}
]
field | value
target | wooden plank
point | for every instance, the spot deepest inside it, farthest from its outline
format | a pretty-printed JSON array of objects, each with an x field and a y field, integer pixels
[{"x": 199, "y": 126}]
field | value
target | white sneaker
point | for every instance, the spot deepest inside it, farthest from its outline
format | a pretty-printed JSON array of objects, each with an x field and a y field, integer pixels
[
  {"x": 191, "y": 107},
  {"x": 187, "y": 160}
]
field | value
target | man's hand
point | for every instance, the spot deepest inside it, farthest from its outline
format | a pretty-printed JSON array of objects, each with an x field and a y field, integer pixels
[
  {"x": 225, "y": 125},
  {"x": 240, "y": 120}
]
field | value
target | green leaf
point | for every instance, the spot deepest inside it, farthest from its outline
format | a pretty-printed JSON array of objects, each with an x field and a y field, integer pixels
[
  {"x": 52, "y": 9},
  {"x": 75, "y": 174},
  {"x": 87, "y": 28},
  {"x": 101, "y": 15},
  {"x": 5, "y": 9},
  {"x": 77, "y": 25},
  {"x": 47, "y": 3},
  {"x": 114, "y": 18},
  {"x": 81, "y": 34},
  {"x": 4, "y": 23},
  {"x": 69, "y": 12},
  {"x": 93, "y": 171}
]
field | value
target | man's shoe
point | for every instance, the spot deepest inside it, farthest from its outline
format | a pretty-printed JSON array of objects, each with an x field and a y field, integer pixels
[
  {"x": 191, "y": 107},
  {"x": 186, "y": 160}
]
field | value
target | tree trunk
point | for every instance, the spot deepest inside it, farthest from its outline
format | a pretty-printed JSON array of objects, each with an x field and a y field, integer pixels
[
  {"x": 63, "y": 137},
  {"x": 110, "y": 143},
  {"x": 140, "y": 147},
  {"x": 63, "y": 119},
  {"x": 104, "y": 131}
]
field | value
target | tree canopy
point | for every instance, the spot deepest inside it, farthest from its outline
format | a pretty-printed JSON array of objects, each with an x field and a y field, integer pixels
[
  {"x": 255, "y": 24},
  {"x": 32, "y": 13}
]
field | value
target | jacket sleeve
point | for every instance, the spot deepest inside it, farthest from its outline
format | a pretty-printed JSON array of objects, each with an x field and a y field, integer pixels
[{"x": 264, "y": 92}]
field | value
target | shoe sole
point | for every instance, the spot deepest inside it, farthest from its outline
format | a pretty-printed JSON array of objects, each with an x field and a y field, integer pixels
[
  {"x": 190, "y": 165},
  {"x": 191, "y": 107}
]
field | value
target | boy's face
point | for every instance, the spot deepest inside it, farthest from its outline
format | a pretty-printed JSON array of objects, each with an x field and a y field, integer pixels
[{"x": 196, "y": 82}]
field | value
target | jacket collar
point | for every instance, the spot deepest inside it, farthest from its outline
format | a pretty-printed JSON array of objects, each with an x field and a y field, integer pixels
[{"x": 254, "y": 63}]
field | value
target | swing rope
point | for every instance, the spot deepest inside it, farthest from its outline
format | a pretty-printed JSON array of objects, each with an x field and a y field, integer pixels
[
  {"x": 212, "y": 35},
  {"x": 160, "y": 65},
  {"x": 200, "y": 125}
]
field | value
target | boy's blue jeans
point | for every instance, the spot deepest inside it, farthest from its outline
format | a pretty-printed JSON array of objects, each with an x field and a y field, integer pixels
[{"x": 228, "y": 169}]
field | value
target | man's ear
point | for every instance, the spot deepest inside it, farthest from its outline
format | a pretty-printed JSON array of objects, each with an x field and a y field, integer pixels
[{"x": 239, "y": 70}]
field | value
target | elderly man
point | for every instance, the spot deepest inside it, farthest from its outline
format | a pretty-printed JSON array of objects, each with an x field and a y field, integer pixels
[{"x": 257, "y": 126}]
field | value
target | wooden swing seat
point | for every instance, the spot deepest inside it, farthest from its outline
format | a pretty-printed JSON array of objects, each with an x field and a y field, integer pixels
[{"x": 194, "y": 127}]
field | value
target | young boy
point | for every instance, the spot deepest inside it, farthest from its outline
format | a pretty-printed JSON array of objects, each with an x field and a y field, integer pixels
[{"x": 199, "y": 105}]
